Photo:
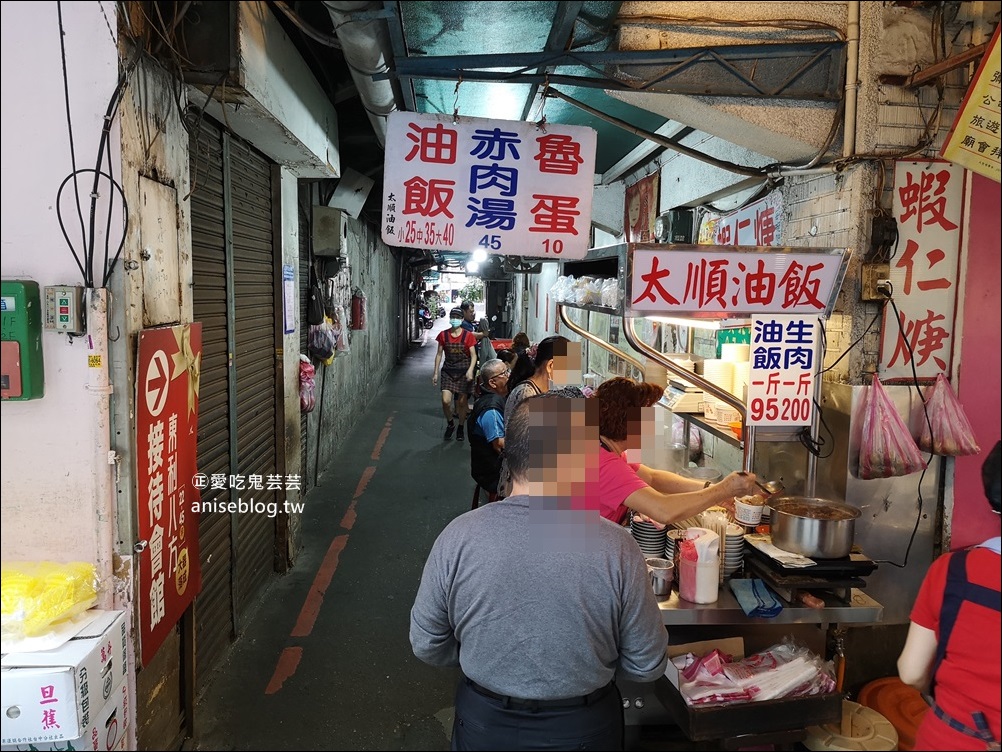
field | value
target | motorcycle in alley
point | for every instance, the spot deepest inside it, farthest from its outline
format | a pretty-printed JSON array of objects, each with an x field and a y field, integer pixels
[{"x": 424, "y": 318}]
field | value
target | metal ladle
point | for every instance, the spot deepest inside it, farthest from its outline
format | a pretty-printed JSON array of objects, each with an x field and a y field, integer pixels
[{"x": 771, "y": 487}]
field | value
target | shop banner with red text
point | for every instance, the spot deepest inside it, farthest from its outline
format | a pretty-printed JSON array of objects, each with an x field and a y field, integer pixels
[
  {"x": 929, "y": 209},
  {"x": 508, "y": 187},
  {"x": 759, "y": 223},
  {"x": 166, "y": 438},
  {"x": 715, "y": 282}
]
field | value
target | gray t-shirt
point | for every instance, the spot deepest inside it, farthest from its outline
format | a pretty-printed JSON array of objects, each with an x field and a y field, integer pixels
[{"x": 538, "y": 603}]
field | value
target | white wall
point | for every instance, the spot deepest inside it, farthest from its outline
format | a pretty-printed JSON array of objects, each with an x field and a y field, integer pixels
[{"x": 53, "y": 481}]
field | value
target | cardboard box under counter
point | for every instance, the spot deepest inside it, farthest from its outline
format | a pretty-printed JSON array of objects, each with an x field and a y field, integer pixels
[{"x": 739, "y": 718}]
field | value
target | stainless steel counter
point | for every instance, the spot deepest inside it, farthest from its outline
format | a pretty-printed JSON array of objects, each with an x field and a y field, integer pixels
[{"x": 861, "y": 609}]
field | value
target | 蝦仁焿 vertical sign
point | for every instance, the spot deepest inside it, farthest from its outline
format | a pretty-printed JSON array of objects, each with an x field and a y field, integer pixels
[
  {"x": 166, "y": 438},
  {"x": 928, "y": 206},
  {"x": 784, "y": 359},
  {"x": 508, "y": 187}
]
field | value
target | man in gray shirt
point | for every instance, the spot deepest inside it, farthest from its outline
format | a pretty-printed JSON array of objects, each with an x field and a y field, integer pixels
[{"x": 541, "y": 605}]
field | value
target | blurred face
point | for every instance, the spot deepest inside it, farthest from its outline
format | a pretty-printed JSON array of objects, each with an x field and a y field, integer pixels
[
  {"x": 640, "y": 432},
  {"x": 565, "y": 368},
  {"x": 564, "y": 435},
  {"x": 469, "y": 313}
]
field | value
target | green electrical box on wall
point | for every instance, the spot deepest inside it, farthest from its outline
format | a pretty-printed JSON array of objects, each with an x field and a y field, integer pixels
[{"x": 22, "y": 377}]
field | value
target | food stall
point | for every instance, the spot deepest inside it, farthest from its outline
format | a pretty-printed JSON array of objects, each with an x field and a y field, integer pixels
[{"x": 777, "y": 407}]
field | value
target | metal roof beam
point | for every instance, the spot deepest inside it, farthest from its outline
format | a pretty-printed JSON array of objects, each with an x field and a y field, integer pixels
[
  {"x": 810, "y": 70},
  {"x": 561, "y": 31}
]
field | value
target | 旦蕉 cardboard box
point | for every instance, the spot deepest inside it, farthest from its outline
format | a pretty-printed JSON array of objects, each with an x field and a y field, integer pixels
[
  {"x": 704, "y": 723},
  {"x": 56, "y": 695},
  {"x": 108, "y": 729}
]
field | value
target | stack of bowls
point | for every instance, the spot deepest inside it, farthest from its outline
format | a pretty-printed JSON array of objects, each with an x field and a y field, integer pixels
[
  {"x": 650, "y": 537},
  {"x": 734, "y": 549}
]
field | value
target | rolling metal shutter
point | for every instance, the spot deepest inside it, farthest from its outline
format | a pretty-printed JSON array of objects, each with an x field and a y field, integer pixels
[
  {"x": 214, "y": 605},
  {"x": 254, "y": 273},
  {"x": 234, "y": 275}
]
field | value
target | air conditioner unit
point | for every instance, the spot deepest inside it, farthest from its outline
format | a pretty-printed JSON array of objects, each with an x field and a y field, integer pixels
[
  {"x": 330, "y": 232},
  {"x": 676, "y": 226}
]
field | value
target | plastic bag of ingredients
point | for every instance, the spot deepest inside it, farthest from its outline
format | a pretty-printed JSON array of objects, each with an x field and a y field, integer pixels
[
  {"x": 561, "y": 289},
  {"x": 322, "y": 341},
  {"x": 340, "y": 331},
  {"x": 951, "y": 433},
  {"x": 36, "y": 595},
  {"x": 582, "y": 292},
  {"x": 886, "y": 448},
  {"x": 784, "y": 670},
  {"x": 610, "y": 293}
]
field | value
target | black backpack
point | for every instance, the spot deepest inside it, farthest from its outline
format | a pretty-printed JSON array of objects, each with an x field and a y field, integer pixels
[{"x": 315, "y": 307}]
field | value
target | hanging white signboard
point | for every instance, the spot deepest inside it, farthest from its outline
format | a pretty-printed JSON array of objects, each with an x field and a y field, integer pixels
[
  {"x": 784, "y": 359},
  {"x": 929, "y": 209},
  {"x": 508, "y": 187}
]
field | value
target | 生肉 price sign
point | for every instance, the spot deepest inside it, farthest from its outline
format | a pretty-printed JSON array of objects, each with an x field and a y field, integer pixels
[
  {"x": 784, "y": 352},
  {"x": 508, "y": 187}
]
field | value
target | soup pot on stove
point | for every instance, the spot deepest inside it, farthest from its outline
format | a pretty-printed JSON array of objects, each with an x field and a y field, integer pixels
[{"x": 812, "y": 527}]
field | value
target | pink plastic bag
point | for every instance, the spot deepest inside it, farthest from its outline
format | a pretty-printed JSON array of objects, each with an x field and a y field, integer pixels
[
  {"x": 951, "y": 434},
  {"x": 886, "y": 448},
  {"x": 307, "y": 384}
]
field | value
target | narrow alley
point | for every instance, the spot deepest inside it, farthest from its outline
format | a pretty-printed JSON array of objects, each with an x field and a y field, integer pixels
[{"x": 325, "y": 662}]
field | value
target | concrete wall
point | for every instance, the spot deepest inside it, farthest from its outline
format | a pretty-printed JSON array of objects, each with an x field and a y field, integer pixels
[
  {"x": 292, "y": 415},
  {"x": 283, "y": 112},
  {"x": 347, "y": 387},
  {"x": 56, "y": 484}
]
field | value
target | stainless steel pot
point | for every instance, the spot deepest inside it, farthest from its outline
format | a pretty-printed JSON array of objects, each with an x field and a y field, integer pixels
[{"x": 816, "y": 528}]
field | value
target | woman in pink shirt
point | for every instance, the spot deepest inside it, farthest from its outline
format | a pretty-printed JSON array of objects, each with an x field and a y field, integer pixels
[{"x": 624, "y": 408}]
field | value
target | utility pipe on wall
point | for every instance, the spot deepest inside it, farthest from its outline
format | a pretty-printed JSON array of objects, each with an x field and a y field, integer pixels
[
  {"x": 366, "y": 47},
  {"x": 851, "y": 78},
  {"x": 106, "y": 460}
]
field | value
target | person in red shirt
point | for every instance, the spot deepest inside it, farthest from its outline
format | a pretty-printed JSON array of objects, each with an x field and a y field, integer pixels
[
  {"x": 457, "y": 356},
  {"x": 952, "y": 651},
  {"x": 625, "y": 416}
]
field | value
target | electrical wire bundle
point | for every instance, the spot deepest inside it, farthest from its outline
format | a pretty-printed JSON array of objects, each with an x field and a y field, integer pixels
[{"x": 85, "y": 258}]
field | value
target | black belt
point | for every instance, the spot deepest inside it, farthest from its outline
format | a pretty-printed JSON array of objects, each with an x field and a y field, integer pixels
[{"x": 514, "y": 702}]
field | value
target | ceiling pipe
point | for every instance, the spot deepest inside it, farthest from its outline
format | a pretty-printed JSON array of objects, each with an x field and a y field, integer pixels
[{"x": 366, "y": 46}]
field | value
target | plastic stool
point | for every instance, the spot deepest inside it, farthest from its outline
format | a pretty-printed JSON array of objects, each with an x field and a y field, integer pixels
[
  {"x": 869, "y": 731},
  {"x": 902, "y": 705}
]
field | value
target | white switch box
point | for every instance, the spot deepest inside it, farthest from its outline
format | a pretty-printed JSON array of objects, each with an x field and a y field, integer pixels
[{"x": 64, "y": 310}]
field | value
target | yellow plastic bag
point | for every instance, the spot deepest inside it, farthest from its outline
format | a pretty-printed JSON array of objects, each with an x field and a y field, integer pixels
[{"x": 37, "y": 594}]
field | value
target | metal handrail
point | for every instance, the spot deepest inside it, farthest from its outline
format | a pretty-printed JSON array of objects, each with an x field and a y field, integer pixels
[
  {"x": 595, "y": 340},
  {"x": 747, "y": 433}
]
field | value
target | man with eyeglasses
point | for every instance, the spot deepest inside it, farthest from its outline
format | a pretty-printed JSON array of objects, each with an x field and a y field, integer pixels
[{"x": 485, "y": 427}]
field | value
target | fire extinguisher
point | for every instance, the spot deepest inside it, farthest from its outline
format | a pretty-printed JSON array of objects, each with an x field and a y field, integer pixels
[{"x": 358, "y": 309}]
